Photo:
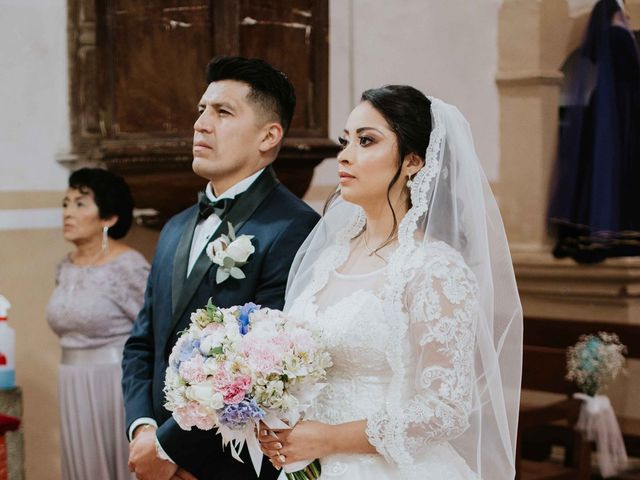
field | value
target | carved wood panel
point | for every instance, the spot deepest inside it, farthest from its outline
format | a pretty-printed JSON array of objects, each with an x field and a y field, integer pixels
[
  {"x": 154, "y": 54},
  {"x": 137, "y": 73}
]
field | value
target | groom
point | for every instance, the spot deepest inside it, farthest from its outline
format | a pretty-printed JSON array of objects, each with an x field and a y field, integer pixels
[{"x": 244, "y": 115}]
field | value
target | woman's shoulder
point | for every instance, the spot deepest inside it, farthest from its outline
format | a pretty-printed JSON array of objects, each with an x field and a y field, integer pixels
[
  {"x": 436, "y": 258},
  {"x": 129, "y": 259},
  {"x": 133, "y": 256},
  {"x": 437, "y": 251}
]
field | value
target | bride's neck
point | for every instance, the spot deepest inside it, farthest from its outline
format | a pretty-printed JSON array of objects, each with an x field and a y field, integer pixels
[{"x": 380, "y": 224}]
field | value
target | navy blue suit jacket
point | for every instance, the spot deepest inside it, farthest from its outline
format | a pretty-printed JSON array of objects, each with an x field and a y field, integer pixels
[{"x": 279, "y": 222}]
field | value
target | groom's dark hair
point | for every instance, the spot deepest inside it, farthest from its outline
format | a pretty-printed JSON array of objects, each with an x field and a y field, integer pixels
[{"x": 271, "y": 90}]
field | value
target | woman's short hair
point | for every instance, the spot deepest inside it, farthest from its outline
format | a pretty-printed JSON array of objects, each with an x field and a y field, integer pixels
[{"x": 110, "y": 193}]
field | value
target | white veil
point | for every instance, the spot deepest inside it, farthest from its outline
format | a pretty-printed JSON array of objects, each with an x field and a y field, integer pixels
[{"x": 453, "y": 203}]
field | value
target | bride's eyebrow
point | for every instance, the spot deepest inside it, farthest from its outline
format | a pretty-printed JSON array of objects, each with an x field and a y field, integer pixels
[{"x": 362, "y": 129}]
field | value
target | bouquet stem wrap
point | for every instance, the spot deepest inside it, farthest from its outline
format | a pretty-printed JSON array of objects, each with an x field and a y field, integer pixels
[{"x": 598, "y": 421}]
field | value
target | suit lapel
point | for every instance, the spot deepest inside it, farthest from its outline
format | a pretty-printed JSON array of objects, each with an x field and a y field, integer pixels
[
  {"x": 240, "y": 212},
  {"x": 181, "y": 260}
]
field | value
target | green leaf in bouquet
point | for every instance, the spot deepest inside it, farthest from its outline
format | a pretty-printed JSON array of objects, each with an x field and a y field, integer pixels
[
  {"x": 217, "y": 350},
  {"x": 214, "y": 313}
]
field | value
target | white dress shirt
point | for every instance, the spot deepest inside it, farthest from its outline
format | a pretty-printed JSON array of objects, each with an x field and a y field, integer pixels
[{"x": 205, "y": 228}]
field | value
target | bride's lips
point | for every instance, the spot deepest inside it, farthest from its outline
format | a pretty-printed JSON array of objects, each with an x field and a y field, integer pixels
[{"x": 344, "y": 176}]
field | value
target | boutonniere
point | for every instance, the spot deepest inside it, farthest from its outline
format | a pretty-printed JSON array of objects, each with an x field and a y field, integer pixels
[{"x": 230, "y": 254}]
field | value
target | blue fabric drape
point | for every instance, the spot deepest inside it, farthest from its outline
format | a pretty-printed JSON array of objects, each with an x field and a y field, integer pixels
[{"x": 595, "y": 195}]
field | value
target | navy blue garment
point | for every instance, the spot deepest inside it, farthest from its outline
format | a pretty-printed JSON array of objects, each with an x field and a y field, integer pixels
[
  {"x": 596, "y": 187},
  {"x": 279, "y": 222}
]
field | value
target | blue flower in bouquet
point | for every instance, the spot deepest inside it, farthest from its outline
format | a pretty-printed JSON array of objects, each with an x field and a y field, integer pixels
[
  {"x": 186, "y": 351},
  {"x": 243, "y": 319},
  {"x": 237, "y": 416}
]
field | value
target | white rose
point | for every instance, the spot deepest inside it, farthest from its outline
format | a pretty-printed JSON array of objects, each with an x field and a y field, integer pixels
[
  {"x": 240, "y": 249},
  {"x": 216, "y": 249},
  {"x": 211, "y": 340},
  {"x": 172, "y": 378},
  {"x": 175, "y": 397},
  {"x": 211, "y": 366},
  {"x": 205, "y": 395}
]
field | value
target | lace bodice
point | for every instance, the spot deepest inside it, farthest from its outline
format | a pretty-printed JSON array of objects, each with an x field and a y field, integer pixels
[
  {"x": 94, "y": 306},
  {"x": 349, "y": 314},
  {"x": 434, "y": 329}
]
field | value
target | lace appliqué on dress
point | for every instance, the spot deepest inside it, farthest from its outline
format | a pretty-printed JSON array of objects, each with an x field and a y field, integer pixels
[{"x": 441, "y": 323}]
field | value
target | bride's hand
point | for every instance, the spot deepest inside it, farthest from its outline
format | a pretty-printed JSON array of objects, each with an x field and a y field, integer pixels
[{"x": 308, "y": 440}]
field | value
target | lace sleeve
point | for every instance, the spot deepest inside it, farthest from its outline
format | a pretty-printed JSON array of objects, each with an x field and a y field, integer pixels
[{"x": 442, "y": 307}]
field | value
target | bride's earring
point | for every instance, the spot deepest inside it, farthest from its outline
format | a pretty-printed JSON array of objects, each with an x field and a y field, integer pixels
[
  {"x": 105, "y": 239},
  {"x": 409, "y": 183}
]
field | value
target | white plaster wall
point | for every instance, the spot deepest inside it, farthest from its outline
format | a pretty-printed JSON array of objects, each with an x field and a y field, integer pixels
[
  {"x": 579, "y": 7},
  {"x": 34, "y": 124},
  {"x": 446, "y": 48}
]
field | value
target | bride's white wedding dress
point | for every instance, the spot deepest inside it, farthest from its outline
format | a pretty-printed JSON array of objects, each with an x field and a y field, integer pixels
[
  {"x": 352, "y": 313},
  {"x": 428, "y": 348}
]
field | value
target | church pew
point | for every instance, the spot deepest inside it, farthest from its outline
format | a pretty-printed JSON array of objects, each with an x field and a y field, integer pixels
[{"x": 559, "y": 334}]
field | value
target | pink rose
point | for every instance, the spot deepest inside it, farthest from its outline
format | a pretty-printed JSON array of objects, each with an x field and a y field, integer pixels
[
  {"x": 303, "y": 341},
  {"x": 284, "y": 342},
  {"x": 193, "y": 370},
  {"x": 265, "y": 361},
  {"x": 264, "y": 356},
  {"x": 235, "y": 390},
  {"x": 190, "y": 415},
  {"x": 205, "y": 422}
]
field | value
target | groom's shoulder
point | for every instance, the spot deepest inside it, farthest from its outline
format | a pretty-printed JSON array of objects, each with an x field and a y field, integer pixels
[
  {"x": 179, "y": 219},
  {"x": 282, "y": 214},
  {"x": 285, "y": 204}
]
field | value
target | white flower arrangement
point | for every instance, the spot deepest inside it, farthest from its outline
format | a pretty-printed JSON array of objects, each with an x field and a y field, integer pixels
[
  {"x": 230, "y": 254},
  {"x": 595, "y": 361},
  {"x": 592, "y": 364}
]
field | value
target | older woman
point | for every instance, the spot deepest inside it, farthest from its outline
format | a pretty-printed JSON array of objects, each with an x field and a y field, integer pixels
[{"x": 99, "y": 290}]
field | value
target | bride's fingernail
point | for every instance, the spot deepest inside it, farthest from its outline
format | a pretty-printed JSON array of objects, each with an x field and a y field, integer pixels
[
  {"x": 264, "y": 432},
  {"x": 278, "y": 446}
]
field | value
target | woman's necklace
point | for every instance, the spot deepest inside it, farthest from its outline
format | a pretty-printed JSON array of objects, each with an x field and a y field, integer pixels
[{"x": 371, "y": 252}]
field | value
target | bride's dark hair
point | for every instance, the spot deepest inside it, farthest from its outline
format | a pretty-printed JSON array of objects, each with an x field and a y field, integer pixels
[{"x": 408, "y": 112}]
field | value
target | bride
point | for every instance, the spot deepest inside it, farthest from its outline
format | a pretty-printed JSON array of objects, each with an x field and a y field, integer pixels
[{"x": 409, "y": 278}]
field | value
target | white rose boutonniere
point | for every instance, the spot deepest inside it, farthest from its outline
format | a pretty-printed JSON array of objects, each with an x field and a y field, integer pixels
[{"x": 230, "y": 253}]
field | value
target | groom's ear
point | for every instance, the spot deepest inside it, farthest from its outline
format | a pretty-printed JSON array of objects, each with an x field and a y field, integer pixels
[{"x": 272, "y": 134}]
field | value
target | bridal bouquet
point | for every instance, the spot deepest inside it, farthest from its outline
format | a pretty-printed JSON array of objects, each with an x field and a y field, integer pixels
[{"x": 233, "y": 367}]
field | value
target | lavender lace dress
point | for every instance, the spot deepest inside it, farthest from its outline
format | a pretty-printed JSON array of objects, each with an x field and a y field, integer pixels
[{"x": 92, "y": 310}]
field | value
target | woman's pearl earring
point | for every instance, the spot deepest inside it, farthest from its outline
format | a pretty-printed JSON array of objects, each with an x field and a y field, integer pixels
[
  {"x": 105, "y": 239},
  {"x": 409, "y": 182}
]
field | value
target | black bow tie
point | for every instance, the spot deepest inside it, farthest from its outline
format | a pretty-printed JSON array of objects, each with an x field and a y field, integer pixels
[{"x": 207, "y": 207}]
